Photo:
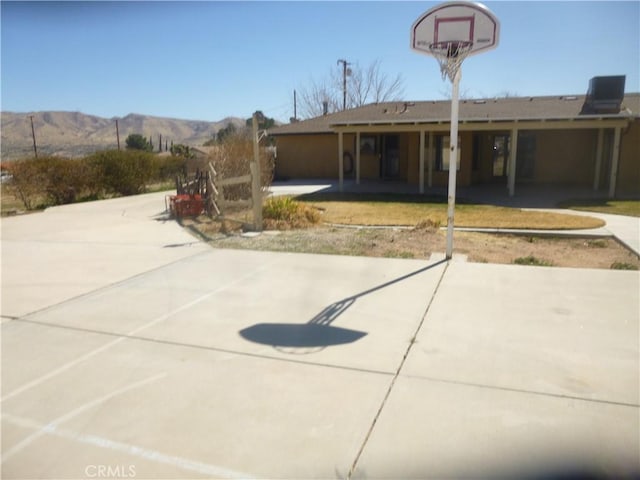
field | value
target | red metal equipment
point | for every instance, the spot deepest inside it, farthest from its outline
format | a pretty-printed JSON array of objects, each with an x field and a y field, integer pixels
[{"x": 186, "y": 205}]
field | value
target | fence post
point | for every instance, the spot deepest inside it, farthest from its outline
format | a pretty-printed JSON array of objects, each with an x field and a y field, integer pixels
[{"x": 256, "y": 183}]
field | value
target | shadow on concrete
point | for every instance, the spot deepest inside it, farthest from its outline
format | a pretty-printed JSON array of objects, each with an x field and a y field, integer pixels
[{"x": 317, "y": 333}]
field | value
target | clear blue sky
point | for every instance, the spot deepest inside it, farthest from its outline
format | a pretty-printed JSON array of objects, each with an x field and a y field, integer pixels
[{"x": 209, "y": 60}]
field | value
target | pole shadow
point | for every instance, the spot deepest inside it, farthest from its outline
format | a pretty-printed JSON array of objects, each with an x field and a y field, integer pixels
[{"x": 317, "y": 333}]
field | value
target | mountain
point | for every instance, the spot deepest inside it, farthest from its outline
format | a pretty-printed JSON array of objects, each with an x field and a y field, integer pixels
[{"x": 75, "y": 134}]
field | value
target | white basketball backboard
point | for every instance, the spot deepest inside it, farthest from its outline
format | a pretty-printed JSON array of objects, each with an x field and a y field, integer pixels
[{"x": 456, "y": 24}]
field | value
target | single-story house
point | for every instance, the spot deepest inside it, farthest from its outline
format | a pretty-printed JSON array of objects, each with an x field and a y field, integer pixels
[{"x": 588, "y": 140}]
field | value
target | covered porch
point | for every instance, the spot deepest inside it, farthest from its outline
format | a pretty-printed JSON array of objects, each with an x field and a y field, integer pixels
[{"x": 577, "y": 153}]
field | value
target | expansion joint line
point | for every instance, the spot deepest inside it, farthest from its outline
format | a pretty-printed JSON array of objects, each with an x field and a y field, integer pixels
[{"x": 395, "y": 377}]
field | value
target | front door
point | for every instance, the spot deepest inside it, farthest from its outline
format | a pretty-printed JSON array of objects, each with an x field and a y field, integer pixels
[{"x": 390, "y": 167}]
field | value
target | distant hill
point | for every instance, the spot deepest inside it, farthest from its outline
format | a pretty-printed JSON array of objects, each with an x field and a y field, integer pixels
[{"x": 74, "y": 134}]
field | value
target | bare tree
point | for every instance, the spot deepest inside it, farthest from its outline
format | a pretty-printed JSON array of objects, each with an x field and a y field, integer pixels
[
  {"x": 313, "y": 99},
  {"x": 364, "y": 85}
]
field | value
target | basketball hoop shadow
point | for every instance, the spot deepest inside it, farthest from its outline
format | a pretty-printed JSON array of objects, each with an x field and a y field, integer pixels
[{"x": 317, "y": 333}]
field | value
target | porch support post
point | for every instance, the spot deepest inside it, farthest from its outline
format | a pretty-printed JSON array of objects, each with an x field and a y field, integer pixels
[
  {"x": 340, "y": 163},
  {"x": 431, "y": 154},
  {"x": 599, "y": 149},
  {"x": 421, "y": 173},
  {"x": 357, "y": 158},
  {"x": 511, "y": 181},
  {"x": 615, "y": 158}
]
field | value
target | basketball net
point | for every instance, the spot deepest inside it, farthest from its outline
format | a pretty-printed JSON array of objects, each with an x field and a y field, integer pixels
[{"x": 450, "y": 56}]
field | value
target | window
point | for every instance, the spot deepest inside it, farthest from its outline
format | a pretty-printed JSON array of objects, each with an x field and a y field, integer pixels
[{"x": 443, "y": 152}]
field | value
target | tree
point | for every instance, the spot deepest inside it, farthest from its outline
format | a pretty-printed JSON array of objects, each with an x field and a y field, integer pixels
[
  {"x": 364, "y": 85},
  {"x": 264, "y": 122},
  {"x": 135, "y": 141},
  {"x": 180, "y": 150},
  {"x": 230, "y": 129}
]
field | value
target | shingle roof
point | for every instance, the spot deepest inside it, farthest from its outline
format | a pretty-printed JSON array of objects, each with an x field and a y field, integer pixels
[{"x": 500, "y": 109}]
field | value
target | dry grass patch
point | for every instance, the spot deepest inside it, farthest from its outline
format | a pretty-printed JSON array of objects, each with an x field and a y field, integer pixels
[{"x": 411, "y": 210}]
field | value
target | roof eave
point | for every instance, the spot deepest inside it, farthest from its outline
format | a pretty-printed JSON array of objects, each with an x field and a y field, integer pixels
[{"x": 439, "y": 121}]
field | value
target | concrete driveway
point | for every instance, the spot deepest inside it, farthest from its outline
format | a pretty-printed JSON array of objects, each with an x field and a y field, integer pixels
[{"x": 129, "y": 350}]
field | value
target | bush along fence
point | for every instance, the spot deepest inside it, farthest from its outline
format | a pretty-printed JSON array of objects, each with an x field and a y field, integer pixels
[
  {"x": 47, "y": 181},
  {"x": 234, "y": 176},
  {"x": 207, "y": 190}
]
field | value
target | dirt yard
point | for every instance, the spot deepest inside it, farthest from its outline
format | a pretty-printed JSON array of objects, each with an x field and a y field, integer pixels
[{"x": 421, "y": 243}]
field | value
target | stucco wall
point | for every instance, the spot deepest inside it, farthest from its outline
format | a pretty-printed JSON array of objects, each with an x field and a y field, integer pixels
[
  {"x": 307, "y": 156},
  {"x": 628, "y": 181},
  {"x": 565, "y": 156}
]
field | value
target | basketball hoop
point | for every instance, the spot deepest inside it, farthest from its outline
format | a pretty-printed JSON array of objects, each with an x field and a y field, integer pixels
[
  {"x": 450, "y": 56},
  {"x": 451, "y": 32}
]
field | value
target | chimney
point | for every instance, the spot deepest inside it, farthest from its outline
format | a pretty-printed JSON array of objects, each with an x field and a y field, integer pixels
[{"x": 325, "y": 107}]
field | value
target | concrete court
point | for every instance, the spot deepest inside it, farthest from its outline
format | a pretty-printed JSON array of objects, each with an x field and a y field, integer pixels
[{"x": 191, "y": 362}]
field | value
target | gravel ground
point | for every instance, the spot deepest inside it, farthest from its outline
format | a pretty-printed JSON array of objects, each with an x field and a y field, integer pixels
[{"x": 422, "y": 242}]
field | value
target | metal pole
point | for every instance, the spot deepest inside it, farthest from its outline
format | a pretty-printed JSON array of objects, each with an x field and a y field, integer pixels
[
  {"x": 344, "y": 82},
  {"x": 453, "y": 163},
  {"x": 33, "y": 134},
  {"x": 117, "y": 134},
  {"x": 344, "y": 85}
]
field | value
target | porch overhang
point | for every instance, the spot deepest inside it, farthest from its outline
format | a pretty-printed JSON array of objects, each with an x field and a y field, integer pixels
[{"x": 582, "y": 122}]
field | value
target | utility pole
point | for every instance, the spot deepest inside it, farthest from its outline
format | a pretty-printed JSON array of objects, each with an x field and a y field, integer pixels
[
  {"x": 118, "y": 134},
  {"x": 33, "y": 134},
  {"x": 295, "y": 106},
  {"x": 345, "y": 72}
]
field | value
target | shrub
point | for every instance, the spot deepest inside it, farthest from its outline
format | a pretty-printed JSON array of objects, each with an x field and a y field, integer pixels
[
  {"x": 67, "y": 180},
  {"x": 597, "y": 243},
  {"x": 167, "y": 167},
  {"x": 50, "y": 180},
  {"x": 531, "y": 260},
  {"x": 623, "y": 266},
  {"x": 123, "y": 172},
  {"x": 55, "y": 180},
  {"x": 428, "y": 224},
  {"x": 231, "y": 158},
  {"x": 283, "y": 213},
  {"x": 28, "y": 180}
]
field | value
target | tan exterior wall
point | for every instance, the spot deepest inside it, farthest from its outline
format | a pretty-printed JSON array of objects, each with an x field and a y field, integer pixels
[
  {"x": 628, "y": 181},
  {"x": 565, "y": 156},
  {"x": 307, "y": 156},
  {"x": 369, "y": 166},
  {"x": 413, "y": 158}
]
